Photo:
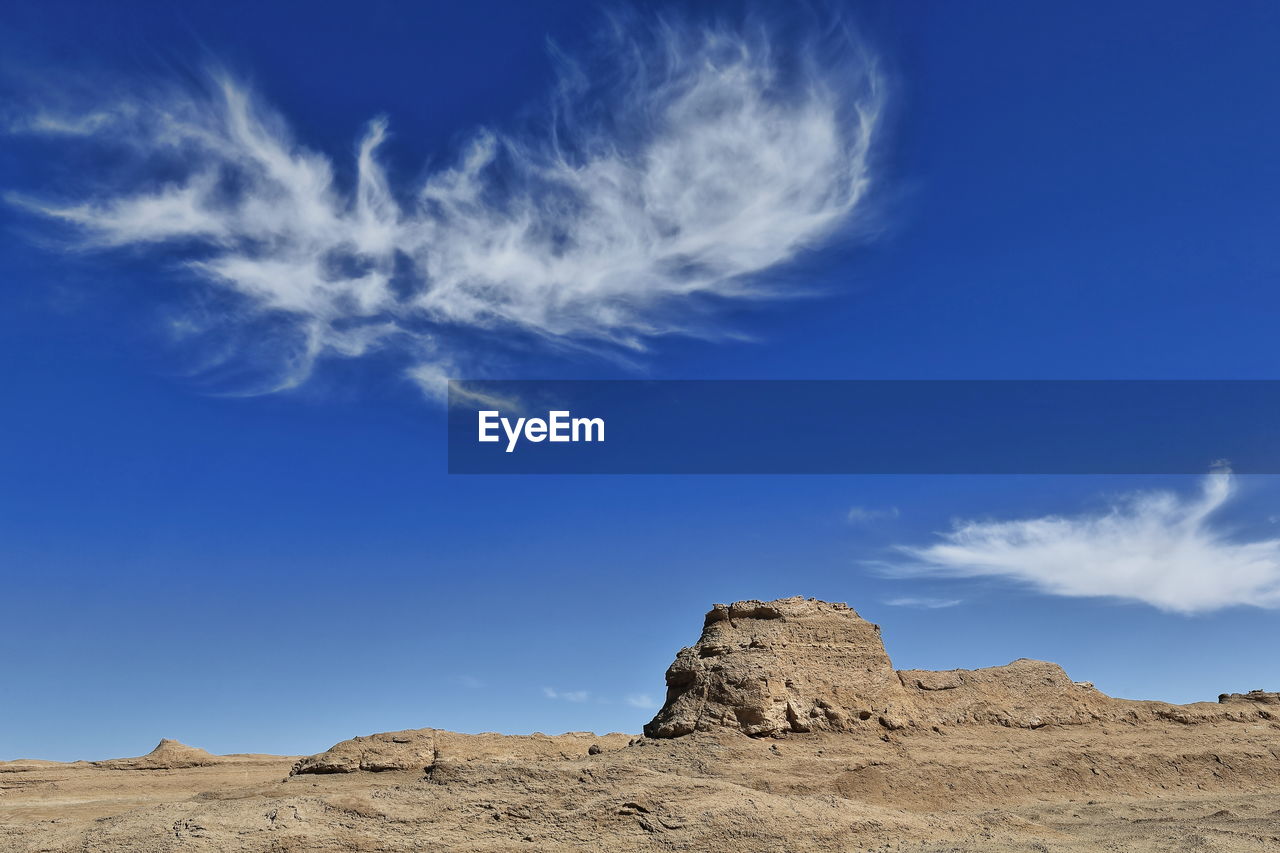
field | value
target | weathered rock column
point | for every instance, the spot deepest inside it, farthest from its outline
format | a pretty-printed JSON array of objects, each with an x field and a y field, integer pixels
[{"x": 791, "y": 665}]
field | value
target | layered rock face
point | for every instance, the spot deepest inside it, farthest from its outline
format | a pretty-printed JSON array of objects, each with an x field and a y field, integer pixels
[
  {"x": 792, "y": 665},
  {"x": 769, "y": 668}
]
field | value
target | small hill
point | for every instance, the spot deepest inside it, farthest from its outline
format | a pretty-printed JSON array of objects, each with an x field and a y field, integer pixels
[{"x": 168, "y": 755}]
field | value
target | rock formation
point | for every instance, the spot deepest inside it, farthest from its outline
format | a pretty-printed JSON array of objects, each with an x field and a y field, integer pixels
[
  {"x": 1261, "y": 697},
  {"x": 792, "y": 665},
  {"x": 770, "y": 668}
]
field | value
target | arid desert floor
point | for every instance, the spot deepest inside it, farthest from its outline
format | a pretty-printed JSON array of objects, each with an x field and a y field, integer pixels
[{"x": 784, "y": 729}]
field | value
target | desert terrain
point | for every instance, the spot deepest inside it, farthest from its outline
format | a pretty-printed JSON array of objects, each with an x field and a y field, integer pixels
[{"x": 785, "y": 728}]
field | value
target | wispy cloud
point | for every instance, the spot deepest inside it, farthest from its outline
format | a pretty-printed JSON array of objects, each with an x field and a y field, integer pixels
[
  {"x": 81, "y": 124},
  {"x": 1156, "y": 547},
  {"x": 635, "y": 700},
  {"x": 863, "y": 514},
  {"x": 673, "y": 167},
  {"x": 470, "y": 682},
  {"x": 926, "y": 603}
]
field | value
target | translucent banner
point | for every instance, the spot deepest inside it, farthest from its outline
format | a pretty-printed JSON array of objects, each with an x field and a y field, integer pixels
[{"x": 862, "y": 427}]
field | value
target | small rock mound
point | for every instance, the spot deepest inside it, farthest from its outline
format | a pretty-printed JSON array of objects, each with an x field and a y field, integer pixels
[
  {"x": 411, "y": 749},
  {"x": 168, "y": 755},
  {"x": 1261, "y": 697},
  {"x": 436, "y": 750}
]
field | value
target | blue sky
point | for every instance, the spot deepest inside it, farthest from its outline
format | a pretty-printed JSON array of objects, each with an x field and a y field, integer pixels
[{"x": 1052, "y": 191}]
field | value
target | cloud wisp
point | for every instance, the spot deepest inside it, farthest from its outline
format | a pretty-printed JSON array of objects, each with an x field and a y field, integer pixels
[
  {"x": 923, "y": 603},
  {"x": 662, "y": 176},
  {"x": 1155, "y": 547},
  {"x": 566, "y": 695},
  {"x": 865, "y": 515},
  {"x": 644, "y": 701}
]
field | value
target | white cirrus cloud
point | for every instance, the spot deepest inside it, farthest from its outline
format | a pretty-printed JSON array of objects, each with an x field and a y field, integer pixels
[
  {"x": 566, "y": 695},
  {"x": 662, "y": 177},
  {"x": 1155, "y": 547},
  {"x": 923, "y": 602},
  {"x": 864, "y": 514}
]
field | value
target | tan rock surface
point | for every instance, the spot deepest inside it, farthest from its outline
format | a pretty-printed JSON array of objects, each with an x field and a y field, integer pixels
[{"x": 413, "y": 749}]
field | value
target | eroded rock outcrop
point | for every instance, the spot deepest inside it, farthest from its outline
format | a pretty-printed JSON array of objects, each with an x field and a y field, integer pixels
[
  {"x": 791, "y": 665},
  {"x": 770, "y": 668},
  {"x": 1260, "y": 697}
]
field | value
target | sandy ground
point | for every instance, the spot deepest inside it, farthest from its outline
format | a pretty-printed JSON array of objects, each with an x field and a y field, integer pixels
[{"x": 1154, "y": 787}]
